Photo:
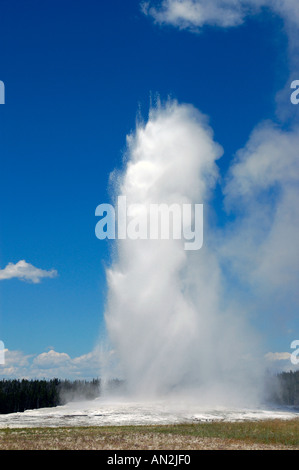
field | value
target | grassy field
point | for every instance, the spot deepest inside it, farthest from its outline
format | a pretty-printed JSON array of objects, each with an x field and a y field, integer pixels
[{"x": 273, "y": 434}]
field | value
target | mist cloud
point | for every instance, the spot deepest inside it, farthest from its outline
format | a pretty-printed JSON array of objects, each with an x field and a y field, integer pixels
[
  {"x": 260, "y": 246},
  {"x": 168, "y": 316}
]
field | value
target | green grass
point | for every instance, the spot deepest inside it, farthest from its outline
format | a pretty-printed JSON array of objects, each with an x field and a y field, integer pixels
[
  {"x": 274, "y": 433},
  {"x": 265, "y": 432}
]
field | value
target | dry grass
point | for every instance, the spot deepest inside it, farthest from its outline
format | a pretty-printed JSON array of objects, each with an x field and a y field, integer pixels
[{"x": 261, "y": 435}]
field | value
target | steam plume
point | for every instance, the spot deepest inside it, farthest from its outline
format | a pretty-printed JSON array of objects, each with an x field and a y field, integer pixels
[{"x": 170, "y": 322}]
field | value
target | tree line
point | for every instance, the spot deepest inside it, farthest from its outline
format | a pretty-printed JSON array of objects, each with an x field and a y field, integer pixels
[
  {"x": 283, "y": 388},
  {"x": 20, "y": 395}
]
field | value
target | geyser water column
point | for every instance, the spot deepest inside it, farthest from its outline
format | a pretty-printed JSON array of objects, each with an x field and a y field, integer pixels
[{"x": 164, "y": 317}]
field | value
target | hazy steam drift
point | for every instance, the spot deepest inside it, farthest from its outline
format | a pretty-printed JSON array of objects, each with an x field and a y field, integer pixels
[{"x": 165, "y": 312}]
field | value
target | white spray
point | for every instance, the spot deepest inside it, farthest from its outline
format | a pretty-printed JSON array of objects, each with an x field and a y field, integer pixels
[{"x": 171, "y": 327}]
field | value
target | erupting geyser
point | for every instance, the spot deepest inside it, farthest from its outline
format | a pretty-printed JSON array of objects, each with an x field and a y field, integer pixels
[{"x": 170, "y": 324}]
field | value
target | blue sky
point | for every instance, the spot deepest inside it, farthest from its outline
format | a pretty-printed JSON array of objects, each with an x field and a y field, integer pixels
[{"x": 76, "y": 76}]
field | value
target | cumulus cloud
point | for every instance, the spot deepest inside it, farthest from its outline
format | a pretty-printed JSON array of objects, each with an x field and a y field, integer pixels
[
  {"x": 15, "y": 361},
  {"x": 51, "y": 359},
  {"x": 25, "y": 272},
  {"x": 50, "y": 364}
]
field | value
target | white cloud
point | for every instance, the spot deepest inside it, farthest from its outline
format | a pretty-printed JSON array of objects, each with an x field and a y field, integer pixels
[
  {"x": 278, "y": 356},
  {"x": 190, "y": 14},
  {"x": 50, "y": 364},
  {"x": 194, "y": 14},
  {"x": 51, "y": 359},
  {"x": 25, "y": 272},
  {"x": 16, "y": 359}
]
